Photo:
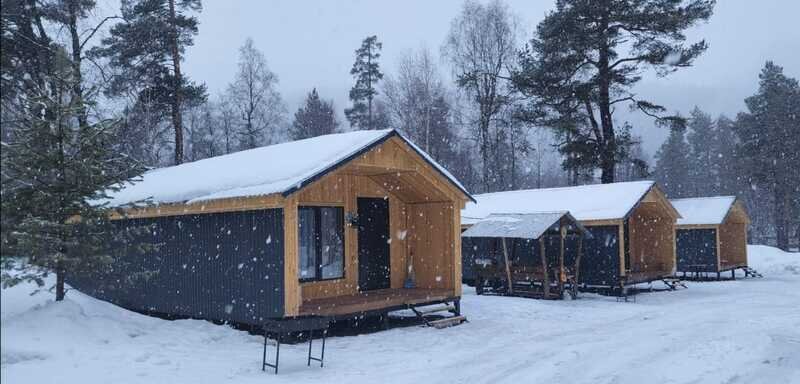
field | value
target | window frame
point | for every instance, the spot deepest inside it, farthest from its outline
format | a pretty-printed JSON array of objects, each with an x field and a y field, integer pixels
[{"x": 317, "y": 230}]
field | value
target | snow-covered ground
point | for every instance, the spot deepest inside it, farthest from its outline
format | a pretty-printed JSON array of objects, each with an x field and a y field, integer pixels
[{"x": 744, "y": 331}]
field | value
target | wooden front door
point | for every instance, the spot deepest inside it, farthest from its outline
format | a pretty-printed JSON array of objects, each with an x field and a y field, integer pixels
[{"x": 373, "y": 243}]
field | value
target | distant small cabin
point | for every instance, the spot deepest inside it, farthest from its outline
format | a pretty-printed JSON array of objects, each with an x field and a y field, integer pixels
[
  {"x": 340, "y": 225},
  {"x": 632, "y": 226},
  {"x": 711, "y": 234},
  {"x": 525, "y": 254}
]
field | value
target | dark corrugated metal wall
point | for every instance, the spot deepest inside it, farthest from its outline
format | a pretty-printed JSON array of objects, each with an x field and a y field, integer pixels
[
  {"x": 600, "y": 255},
  {"x": 474, "y": 248},
  {"x": 220, "y": 266},
  {"x": 521, "y": 252},
  {"x": 697, "y": 250},
  {"x": 599, "y": 263}
]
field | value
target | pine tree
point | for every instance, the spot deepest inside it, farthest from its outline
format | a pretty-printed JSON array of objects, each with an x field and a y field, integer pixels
[
  {"x": 315, "y": 118},
  {"x": 725, "y": 161},
  {"x": 672, "y": 162},
  {"x": 57, "y": 167},
  {"x": 703, "y": 178},
  {"x": 146, "y": 49},
  {"x": 586, "y": 55},
  {"x": 367, "y": 73},
  {"x": 769, "y": 142},
  {"x": 632, "y": 165}
]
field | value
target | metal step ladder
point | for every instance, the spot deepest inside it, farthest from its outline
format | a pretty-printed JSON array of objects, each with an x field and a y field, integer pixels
[{"x": 426, "y": 313}]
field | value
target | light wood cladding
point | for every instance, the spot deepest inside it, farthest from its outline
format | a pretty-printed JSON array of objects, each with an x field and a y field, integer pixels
[
  {"x": 413, "y": 190},
  {"x": 291, "y": 286},
  {"x": 432, "y": 244},
  {"x": 732, "y": 245},
  {"x": 651, "y": 233}
]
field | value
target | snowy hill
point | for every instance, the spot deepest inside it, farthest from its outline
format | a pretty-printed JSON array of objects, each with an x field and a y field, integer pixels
[{"x": 744, "y": 331}]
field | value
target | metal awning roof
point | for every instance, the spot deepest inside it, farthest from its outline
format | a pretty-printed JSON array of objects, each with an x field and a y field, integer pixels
[{"x": 521, "y": 225}]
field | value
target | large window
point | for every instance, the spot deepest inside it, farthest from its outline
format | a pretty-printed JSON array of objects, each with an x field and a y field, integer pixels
[{"x": 321, "y": 240}]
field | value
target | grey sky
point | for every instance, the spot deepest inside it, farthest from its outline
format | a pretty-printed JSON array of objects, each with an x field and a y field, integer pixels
[{"x": 311, "y": 43}]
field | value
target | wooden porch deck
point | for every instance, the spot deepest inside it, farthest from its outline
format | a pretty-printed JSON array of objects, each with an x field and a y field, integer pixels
[{"x": 372, "y": 301}]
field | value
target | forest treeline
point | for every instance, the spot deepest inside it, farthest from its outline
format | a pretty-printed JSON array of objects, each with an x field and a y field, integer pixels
[{"x": 91, "y": 101}]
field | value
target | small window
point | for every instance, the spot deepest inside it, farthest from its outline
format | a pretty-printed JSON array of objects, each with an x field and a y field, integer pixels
[{"x": 321, "y": 243}]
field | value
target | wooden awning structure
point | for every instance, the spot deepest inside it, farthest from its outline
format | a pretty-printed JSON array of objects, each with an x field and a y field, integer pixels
[
  {"x": 524, "y": 225},
  {"x": 534, "y": 226}
]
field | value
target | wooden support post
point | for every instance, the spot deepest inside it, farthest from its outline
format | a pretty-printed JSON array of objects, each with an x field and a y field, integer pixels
[
  {"x": 578, "y": 259},
  {"x": 546, "y": 279},
  {"x": 508, "y": 267}
]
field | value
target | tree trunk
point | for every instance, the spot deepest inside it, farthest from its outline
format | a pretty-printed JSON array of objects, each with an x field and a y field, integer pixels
[
  {"x": 369, "y": 88},
  {"x": 484, "y": 147},
  {"x": 77, "y": 87},
  {"x": 608, "y": 147},
  {"x": 781, "y": 217},
  {"x": 177, "y": 119},
  {"x": 60, "y": 291}
]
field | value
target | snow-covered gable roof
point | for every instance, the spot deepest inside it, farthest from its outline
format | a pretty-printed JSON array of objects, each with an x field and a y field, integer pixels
[
  {"x": 280, "y": 168},
  {"x": 703, "y": 210},
  {"x": 585, "y": 202},
  {"x": 514, "y": 225}
]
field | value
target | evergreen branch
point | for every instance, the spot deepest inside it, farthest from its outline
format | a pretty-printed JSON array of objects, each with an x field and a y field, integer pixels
[{"x": 95, "y": 29}]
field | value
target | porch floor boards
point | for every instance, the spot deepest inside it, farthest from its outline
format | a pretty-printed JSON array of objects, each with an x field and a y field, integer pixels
[{"x": 372, "y": 301}]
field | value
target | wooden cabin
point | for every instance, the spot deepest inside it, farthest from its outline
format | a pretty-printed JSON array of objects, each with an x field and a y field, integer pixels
[
  {"x": 524, "y": 254},
  {"x": 340, "y": 225},
  {"x": 632, "y": 226},
  {"x": 711, "y": 235}
]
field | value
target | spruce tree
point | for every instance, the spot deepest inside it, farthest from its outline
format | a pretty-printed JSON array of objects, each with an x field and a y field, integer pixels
[
  {"x": 57, "y": 168},
  {"x": 586, "y": 55},
  {"x": 769, "y": 142},
  {"x": 702, "y": 142},
  {"x": 317, "y": 117},
  {"x": 672, "y": 162},
  {"x": 367, "y": 73},
  {"x": 146, "y": 51},
  {"x": 725, "y": 161}
]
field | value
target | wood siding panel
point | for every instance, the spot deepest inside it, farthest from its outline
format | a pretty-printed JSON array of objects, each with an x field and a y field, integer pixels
[
  {"x": 291, "y": 290},
  {"x": 343, "y": 189},
  {"x": 652, "y": 242},
  {"x": 431, "y": 244},
  {"x": 732, "y": 245}
]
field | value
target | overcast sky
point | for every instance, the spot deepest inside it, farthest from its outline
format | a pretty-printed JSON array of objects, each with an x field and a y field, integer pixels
[{"x": 311, "y": 43}]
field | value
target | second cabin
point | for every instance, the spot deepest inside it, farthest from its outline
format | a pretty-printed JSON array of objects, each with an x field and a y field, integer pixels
[
  {"x": 711, "y": 236},
  {"x": 632, "y": 228},
  {"x": 342, "y": 225}
]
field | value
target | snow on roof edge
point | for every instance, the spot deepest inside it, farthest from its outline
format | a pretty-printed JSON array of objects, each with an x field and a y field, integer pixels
[
  {"x": 584, "y": 202},
  {"x": 149, "y": 188},
  {"x": 694, "y": 212}
]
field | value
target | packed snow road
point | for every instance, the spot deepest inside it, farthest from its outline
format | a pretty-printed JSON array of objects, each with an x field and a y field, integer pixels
[{"x": 743, "y": 331}]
